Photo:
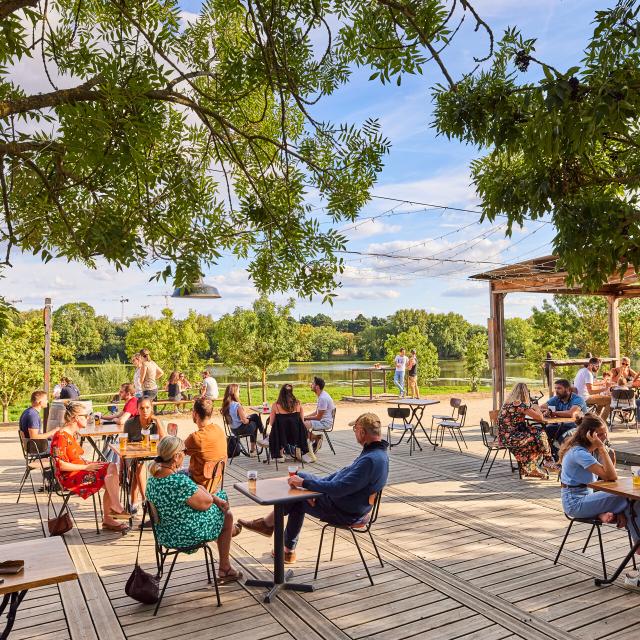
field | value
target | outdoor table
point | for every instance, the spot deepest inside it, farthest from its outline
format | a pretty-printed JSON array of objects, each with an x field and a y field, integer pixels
[
  {"x": 276, "y": 492},
  {"x": 417, "y": 406},
  {"x": 46, "y": 561},
  {"x": 135, "y": 453},
  {"x": 102, "y": 431},
  {"x": 624, "y": 488},
  {"x": 370, "y": 371},
  {"x": 552, "y": 420}
]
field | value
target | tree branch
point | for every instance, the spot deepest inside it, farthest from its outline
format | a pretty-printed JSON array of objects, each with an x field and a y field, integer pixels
[{"x": 7, "y": 7}]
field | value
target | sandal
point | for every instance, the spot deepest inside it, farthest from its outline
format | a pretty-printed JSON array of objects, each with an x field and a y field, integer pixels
[
  {"x": 122, "y": 515},
  {"x": 230, "y": 575},
  {"x": 537, "y": 474},
  {"x": 237, "y": 528},
  {"x": 122, "y": 528}
]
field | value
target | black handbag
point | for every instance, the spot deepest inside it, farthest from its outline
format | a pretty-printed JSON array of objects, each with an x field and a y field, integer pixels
[
  {"x": 61, "y": 524},
  {"x": 142, "y": 586}
]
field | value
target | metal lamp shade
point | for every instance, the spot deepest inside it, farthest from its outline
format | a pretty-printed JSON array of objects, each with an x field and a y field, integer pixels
[{"x": 197, "y": 290}]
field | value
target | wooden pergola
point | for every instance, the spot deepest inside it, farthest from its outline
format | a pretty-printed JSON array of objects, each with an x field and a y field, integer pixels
[{"x": 543, "y": 275}]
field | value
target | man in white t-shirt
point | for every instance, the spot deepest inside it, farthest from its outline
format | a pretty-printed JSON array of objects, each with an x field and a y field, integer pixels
[
  {"x": 590, "y": 390},
  {"x": 322, "y": 418},
  {"x": 209, "y": 388},
  {"x": 401, "y": 366}
]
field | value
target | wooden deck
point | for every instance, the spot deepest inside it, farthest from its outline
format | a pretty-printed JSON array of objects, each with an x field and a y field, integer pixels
[{"x": 465, "y": 558}]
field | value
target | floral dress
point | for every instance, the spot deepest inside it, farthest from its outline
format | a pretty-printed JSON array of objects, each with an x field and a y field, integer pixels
[
  {"x": 64, "y": 447},
  {"x": 527, "y": 442},
  {"x": 180, "y": 525}
]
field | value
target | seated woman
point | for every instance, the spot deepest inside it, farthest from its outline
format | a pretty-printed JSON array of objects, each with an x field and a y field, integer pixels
[
  {"x": 528, "y": 442},
  {"x": 133, "y": 427},
  {"x": 241, "y": 424},
  {"x": 173, "y": 386},
  {"x": 585, "y": 458},
  {"x": 188, "y": 513},
  {"x": 185, "y": 387},
  {"x": 207, "y": 444},
  {"x": 86, "y": 478},
  {"x": 287, "y": 427}
]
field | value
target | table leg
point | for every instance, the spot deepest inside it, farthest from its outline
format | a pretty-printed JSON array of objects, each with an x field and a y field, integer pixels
[
  {"x": 99, "y": 453},
  {"x": 280, "y": 577},
  {"x": 634, "y": 548},
  {"x": 418, "y": 419},
  {"x": 14, "y": 599}
]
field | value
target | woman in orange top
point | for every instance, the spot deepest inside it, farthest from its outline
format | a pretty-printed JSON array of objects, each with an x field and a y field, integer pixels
[
  {"x": 207, "y": 444},
  {"x": 86, "y": 478}
]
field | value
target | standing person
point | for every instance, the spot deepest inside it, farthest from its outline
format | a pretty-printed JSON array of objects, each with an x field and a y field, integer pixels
[
  {"x": 591, "y": 390},
  {"x": 400, "y": 362},
  {"x": 207, "y": 444},
  {"x": 209, "y": 387},
  {"x": 322, "y": 418},
  {"x": 584, "y": 459},
  {"x": 412, "y": 375},
  {"x": 527, "y": 442},
  {"x": 86, "y": 478},
  {"x": 136, "y": 361},
  {"x": 149, "y": 375},
  {"x": 173, "y": 386},
  {"x": 30, "y": 424},
  {"x": 69, "y": 390},
  {"x": 130, "y": 409},
  {"x": 241, "y": 424}
]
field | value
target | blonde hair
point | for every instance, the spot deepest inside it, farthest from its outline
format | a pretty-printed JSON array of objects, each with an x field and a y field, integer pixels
[
  {"x": 72, "y": 410},
  {"x": 519, "y": 393},
  {"x": 167, "y": 448}
]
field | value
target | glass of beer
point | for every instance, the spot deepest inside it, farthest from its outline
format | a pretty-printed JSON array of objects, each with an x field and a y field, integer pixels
[
  {"x": 293, "y": 469},
  {"x": 635, "y": 475},
  {"x": 153, "y": 439},
  {"x": 123, "y": 440},
  {"x": 252, "y": 479},
  {"x": 96, "y": 419},
  {"x": 145, "y": 437}
]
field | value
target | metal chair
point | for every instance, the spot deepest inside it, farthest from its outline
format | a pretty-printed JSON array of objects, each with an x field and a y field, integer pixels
[
  {"x": 402, "y": 413},
  {"x": 326, "y": 431},
  {"x": 455, "y": 405},
  {"x": 623, "y": 405},
  {"x": 453, "y": 426},
  {"x": 34, "y": 453},
  {"x": 363, "y": 526},
  {"x": 56, "y": 487},
  {"x": 213, "y": 472},
  {"x": 240, "y": 448},
  {"x": 595, "y": 524},
  {"x": 492, "y": 445},
  {"x": 163, "y": 552}
]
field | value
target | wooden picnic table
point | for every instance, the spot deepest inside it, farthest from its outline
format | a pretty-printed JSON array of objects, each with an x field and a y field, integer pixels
[
  {"x": 370, "y": 371},
  {"x": 46, "y": 561},
  {"x": 624, "y": 488},
  {"x": 276, "y": 492}
]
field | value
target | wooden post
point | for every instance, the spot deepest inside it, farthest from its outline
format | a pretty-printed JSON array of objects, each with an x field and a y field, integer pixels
[
  {"x": 370, "y": 384},
  {"x": 614, "y": 328},
  {"x": 548, "y": 373},
  {"x": 47, "y": 356},
  {"x": 497, "y": 346}
]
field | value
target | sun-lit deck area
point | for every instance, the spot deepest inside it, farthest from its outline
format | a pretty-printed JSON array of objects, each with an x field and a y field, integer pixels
[{"x": 464, "y": 557}]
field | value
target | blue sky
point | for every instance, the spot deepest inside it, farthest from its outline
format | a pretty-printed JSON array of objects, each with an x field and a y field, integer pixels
[{"x": 420, "y": 168}]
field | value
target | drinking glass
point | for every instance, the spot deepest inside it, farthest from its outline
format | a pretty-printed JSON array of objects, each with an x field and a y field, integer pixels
[
  {"x": 293, "y": 469},
  {"x": 145, "y": 437},
  {"x": 154, "y": 442},
  {"x": 252, "y": 479},
  {"x": 123, "y": 440},
  {"x": 635, "y": 474}
]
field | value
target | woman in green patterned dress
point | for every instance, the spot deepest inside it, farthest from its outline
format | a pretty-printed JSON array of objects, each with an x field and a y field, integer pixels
[{"x": 188, "y": 513}]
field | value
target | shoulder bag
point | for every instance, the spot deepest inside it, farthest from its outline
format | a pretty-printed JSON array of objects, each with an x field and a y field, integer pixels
[{"x": 142, "y": 586}]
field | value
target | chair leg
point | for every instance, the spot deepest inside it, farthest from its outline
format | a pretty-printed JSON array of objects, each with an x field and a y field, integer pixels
[
  {"x": 95, "y": 513},
  {"x": 452, "y": 432},
  {"x": 375, "y": 546},
  {"x": 213, "y": 571},
  {"x": 486, "y": 457},
  {"x": 166, "y": 582},
  {"x": 25, "y": 475},
  {"x": 495, "y": 455},
  {"x": 364, "y": 562},
  {"x": 604, "y": 564},
  {"x": 586, "y": 544},
  {"x": 330, "y": 443},
  {"x": 333, "y": 544},
  {"x": 206, "y": 563},
  {"x": 466, "y": 446},
  {"x": 633, "y": 557},
  {"x": 315, "y": 575},
  {"x": 511, "y": 462},
  {"x": 566, "y": 535}
]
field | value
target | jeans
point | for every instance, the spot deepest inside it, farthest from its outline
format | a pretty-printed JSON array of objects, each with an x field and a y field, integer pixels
[
  {"x": 152, "y": 394},
  {"x": 398, "y": 380},
  {"x": 249, "y": 429},
  {"x": 322, "y": 509},
  {"x": 583, "y": 503}
]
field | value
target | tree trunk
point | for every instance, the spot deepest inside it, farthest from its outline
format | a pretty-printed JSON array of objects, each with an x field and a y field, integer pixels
[
  {"x": 5, "y": 412},
  {"x": 249, "y": 391},
  {"x": 264, "y": 385}
]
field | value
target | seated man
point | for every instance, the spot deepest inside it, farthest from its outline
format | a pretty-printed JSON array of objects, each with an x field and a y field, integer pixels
[
  {"x": 591, "y": 390},
  {"x": 127, "y": 395},
  {"x": 346, "y": 492},
  {"x": 564, "y": 404},
  {"x": 322, "y": 417},
  {"x": 31, "y": 426}
]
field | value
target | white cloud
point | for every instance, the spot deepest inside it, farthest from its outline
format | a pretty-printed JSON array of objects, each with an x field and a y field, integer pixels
[
  {"x": 466, "y": 290},
  {"x": 368, "y": 228}
]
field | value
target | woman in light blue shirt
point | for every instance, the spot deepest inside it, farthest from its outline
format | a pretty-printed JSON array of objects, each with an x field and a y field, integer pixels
[{"x": 584, "y": 459}]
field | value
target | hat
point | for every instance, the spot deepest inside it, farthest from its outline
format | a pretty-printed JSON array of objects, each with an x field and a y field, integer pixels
[{"x": 369, "y": 421}]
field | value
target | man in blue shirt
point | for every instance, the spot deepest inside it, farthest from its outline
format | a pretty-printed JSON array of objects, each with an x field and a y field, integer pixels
[
  {"x": 346, "y": 493},
  {"x": 564, "y": 404},
  {"x": 30, "y": 424}
]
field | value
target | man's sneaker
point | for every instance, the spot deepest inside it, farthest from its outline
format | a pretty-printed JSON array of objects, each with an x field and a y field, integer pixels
[{"x": 317, "y": 444}]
